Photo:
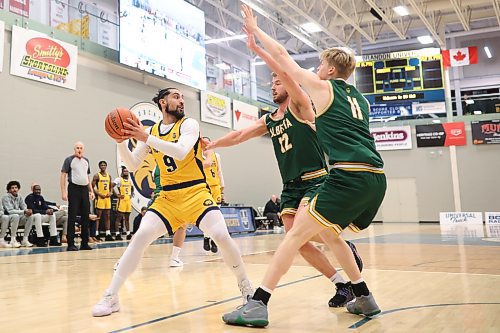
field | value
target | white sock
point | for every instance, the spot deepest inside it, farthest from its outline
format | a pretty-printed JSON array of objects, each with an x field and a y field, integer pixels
[
  {"x": 337, "y": 278},
  {"x": 266, "y": 289},
  {"x": 152, "y": 229},
  {"x": 128, "y": 233},
  {"x": 213, "y": 226},
  {"x": 358, "y": 281},
  {"x": 175, "y": 252},
  {"x": 97, "y": 233},
  {"x": 108, "y": 232}
]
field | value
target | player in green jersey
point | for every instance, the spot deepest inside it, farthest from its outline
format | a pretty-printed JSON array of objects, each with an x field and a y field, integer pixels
[
  {"x": 301, "y": 162},
  {"x": 354, "y": 188}
]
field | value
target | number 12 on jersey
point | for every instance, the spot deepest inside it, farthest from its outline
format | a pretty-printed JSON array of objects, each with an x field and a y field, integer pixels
[{"x": 285, "y": 145}]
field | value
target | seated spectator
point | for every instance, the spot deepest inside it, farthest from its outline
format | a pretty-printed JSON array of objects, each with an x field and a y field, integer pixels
[
  {"x": 19, "y": 214},
  {"x": 39, "y": 206},
  {"x": 272, "y": 209},
  {"x": 61, "y": 219},
  {"x": 138, "y": 219},
  {"x": 5, "y": 226}
]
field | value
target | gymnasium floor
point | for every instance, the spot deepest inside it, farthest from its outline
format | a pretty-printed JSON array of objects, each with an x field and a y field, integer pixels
[{"x": 425, "y": 279}]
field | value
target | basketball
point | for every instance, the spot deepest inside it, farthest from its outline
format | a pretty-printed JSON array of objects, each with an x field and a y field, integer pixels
[{"x": 114, "y": 122}]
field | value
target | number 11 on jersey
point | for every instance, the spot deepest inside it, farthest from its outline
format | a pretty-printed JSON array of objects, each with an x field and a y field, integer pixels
[{"x": 356, "y": 110}]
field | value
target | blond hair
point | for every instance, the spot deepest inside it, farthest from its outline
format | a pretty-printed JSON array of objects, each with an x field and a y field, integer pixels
[{"x": 341, "y": 58}]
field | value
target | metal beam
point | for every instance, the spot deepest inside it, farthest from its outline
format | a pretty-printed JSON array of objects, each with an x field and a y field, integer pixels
[
  {"x": 460, "y": 13},
  {"x": 325, "y": 29},
  {"x": 348, "y": 19},
  {"x": 386, "y": 19},
  {"x": 311, "y": 42},
  {"x": 496, "y": 7},
  {"x": 425, "y": 21}
]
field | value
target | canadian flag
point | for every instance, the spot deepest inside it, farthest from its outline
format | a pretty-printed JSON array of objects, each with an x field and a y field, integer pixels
[{"x": 460, "y": 57}]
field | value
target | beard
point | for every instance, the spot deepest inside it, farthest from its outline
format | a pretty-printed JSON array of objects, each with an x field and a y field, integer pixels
[
  {"x": 280, "y": 98},
  {"x": 177, "y": 113}
]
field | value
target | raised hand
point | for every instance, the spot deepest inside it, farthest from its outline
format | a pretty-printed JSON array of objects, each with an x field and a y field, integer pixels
[
  {"x": 250, "y": 19},
  {"x": 251, "y": 44}
]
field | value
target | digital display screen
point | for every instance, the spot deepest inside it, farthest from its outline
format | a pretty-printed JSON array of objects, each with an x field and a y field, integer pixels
[{"x": 164, "y": 38}]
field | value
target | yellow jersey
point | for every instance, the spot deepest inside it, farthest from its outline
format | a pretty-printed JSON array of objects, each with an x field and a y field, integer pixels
[
  {"x": 177, "y": 174},
  {"x": 104, "y": 184},
  {"x": 212, "y": 172},
  {"x": 125, "y": 188}
]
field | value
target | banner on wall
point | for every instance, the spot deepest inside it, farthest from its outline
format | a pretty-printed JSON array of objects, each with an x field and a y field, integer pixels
[
  {"x": 492, "y": 224},
  {"x": 215, "y": 109},
  {"x": 441, "y": 135},
  {"x": 392, "y": 138},
  {"x": 244, "y": 114},
  {"x": 485, "y": 132},
  {"x": 59, "y": 15},
  {"x": 20, "y": 7},
  {"x": 38, "y": 57},
  {"x": 2, "y": 37}
]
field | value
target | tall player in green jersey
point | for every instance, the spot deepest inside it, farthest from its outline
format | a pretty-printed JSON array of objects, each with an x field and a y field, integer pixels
[
  {"x": 301, "y": 162},
  {"x": 354, "y": 188}
]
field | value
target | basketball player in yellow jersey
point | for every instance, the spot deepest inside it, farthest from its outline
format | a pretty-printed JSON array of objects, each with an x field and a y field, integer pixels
[
  {"x": 185, "y": 197},
  {"x": 215, "y": 180},
  {"x": 103, "y": 185},
  {"x": 124, "y": 207}
]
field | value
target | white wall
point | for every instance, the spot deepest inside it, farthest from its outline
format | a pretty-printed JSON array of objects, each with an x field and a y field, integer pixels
[{"x": 40, "y": 123}]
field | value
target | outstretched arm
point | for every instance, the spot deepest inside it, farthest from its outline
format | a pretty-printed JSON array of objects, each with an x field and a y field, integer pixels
[
  {"x": 298, "y": 97},
  {"x": 236, "y": 137},
  {"x": 311, "y": 82}
]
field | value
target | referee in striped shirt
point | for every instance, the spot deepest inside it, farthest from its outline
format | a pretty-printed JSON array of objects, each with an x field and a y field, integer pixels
[{"x": 76, "y": 169}]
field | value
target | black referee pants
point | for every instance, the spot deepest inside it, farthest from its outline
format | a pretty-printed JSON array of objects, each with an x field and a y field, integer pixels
[{"x": 78, "y": 205}]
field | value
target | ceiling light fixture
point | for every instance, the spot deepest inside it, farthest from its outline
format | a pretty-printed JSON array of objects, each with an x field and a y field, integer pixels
[
  {"x": 224, "y": 39},
  {"x": 488, "y": 52},
  {"x": 223, "y": 66},
  {"x": 425, "y": 39},
  {"x": 311, "y": 27},
  {"x": 401, "y": 10}
]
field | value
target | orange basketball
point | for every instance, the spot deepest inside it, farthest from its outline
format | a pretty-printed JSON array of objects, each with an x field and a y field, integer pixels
[{"x": 114, "y": 122}]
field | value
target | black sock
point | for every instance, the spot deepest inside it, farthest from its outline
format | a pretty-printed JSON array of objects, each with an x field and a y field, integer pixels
[
  {"x": 261, "y": 295},
  {"x": 360, "y": 289}
]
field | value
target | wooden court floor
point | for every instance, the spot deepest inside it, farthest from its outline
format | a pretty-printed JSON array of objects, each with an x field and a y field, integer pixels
[{"x": 425, "y": 280}]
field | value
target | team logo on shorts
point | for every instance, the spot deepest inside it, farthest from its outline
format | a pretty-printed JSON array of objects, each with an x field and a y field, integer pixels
[
  {"x": 208, "y": 202},
  {"x": 142, "y": 178}
]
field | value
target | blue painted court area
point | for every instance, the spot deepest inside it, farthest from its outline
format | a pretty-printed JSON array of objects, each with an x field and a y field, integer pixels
[
  {"x": 431, "y": 239},
  {"x": 107, "y": 245}
]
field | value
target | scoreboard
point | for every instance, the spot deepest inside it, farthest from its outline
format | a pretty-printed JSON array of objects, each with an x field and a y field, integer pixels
[{"x": 394, "y": 82}]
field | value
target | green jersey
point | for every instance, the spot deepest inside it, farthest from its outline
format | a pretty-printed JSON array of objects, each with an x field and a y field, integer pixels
[
  {"x": 157, "y": 180},
  {"x": 343, "y": 129},
  {"x": 296, "y": 147}
]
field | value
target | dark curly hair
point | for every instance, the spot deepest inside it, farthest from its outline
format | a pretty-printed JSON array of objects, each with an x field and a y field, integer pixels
[
  {"x": 12, "y": 183},
  {"x": 161, "y": 93}
]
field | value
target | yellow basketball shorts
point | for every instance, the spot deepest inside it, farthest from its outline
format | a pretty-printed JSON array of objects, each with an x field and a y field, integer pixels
[
  {"x": 103, "y": 203},
  {"x": 180, "y": 207},
  {"x": 124, "y": 206},
  {"x": 216, "y": 193}
]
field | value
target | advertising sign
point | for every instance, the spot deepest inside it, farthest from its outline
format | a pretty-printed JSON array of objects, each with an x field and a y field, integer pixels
[
  {"x": 38, "y": 57},
  {"x": 461, "y": 217},
  {"x": 485, "y": 132},
  {"x": 392, "y": 138},
  {"x": 20, "y": 7},
  {"x": 215, "y": 109},
  {"x": 238, "y": 219},
  {"x": 441, "y": 135},
  {"x": 244, "y": 114}
]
